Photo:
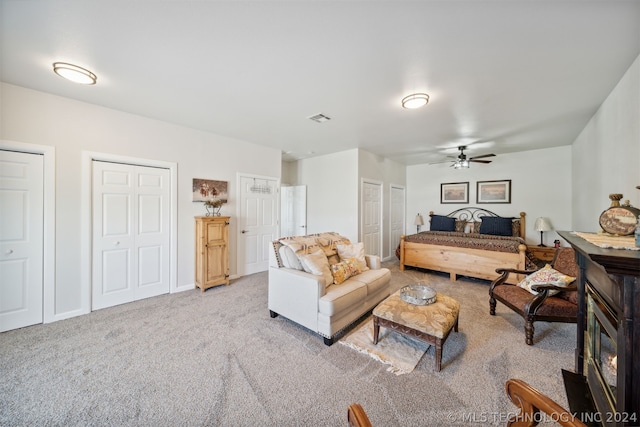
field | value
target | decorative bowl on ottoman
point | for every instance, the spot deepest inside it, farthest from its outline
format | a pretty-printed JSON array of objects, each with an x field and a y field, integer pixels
[{"x": 418, "y": 294}]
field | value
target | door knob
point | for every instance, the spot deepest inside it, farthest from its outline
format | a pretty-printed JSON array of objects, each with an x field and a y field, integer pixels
[
  {"x": 244, "y": 231},
  {"x": 9, "y": 252}
]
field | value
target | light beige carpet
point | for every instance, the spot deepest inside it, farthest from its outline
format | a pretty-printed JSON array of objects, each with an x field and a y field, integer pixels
[{"x": 400, "y": 352}]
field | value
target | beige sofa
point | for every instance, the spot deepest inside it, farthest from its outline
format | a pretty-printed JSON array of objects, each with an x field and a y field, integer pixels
[{"x": 317, "y": 298}]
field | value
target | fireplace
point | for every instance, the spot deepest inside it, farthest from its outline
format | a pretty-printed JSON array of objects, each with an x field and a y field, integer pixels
[
  {"x": 605, "y": 387},
  {"x": 601, "y": 356}
]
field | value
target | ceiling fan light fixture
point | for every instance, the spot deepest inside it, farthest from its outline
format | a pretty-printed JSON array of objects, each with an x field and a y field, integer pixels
[
  {"x": 415, "y": 100},
  {"x": 74, "y": 73}
]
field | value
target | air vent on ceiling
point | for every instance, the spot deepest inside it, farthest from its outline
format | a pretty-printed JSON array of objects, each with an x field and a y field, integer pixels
[{"x": 320, "y": 118}]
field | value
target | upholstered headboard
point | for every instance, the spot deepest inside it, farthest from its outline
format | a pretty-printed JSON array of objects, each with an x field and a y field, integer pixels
[{"x": 469, "y": 219}]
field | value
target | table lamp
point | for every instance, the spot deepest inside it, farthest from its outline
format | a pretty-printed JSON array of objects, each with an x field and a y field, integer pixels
[
  {"x": 542, "y": 224},
  {"x": 418, "y": 222}
]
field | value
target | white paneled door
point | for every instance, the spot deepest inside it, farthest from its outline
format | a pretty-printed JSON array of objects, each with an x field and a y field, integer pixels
[
  {"x": 293, "y": 210},
  {"x": 396, "y": 217},
  {"x": 372, "y": 217},
  {"x": 258, "y": 222},
  {"x": 21, "y": 239},
  {"x": 131, "y": 238}
]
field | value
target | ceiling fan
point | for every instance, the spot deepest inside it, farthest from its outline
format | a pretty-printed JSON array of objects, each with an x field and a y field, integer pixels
[{"x": 462, "y": 162}]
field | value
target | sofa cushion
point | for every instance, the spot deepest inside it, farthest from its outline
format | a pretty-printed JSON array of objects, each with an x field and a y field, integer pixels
[
  {"x": 355, "y": 250},
  {"x": 349, "y": 295},
  {"x": 374, "y": 280},
  {"x": 519, "y": 297},
  {"x": 318, "y": 264},
  {"x": 344, "y": 269}
]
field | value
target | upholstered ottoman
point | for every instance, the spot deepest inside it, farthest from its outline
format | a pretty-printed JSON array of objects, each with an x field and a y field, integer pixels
[{"x": 429, "y": 323}]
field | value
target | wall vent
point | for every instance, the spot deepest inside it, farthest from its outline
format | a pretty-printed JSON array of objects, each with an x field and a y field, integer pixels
[{"x": 320, "y": 118}]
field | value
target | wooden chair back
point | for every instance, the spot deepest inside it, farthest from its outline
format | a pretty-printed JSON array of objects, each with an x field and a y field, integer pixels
[
  {"x": 531, "y": 402},
  {"x": 357, "y": 417}
]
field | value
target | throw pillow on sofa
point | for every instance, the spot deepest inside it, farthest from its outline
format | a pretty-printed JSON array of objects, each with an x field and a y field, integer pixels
[
  {"x": 318, "y": 264},
  {"x": 289, "y": 258},
  {"x": 345, "y": 269},
  {"x": 355, "y": 250},
  {"x": 546, "y": 275}
]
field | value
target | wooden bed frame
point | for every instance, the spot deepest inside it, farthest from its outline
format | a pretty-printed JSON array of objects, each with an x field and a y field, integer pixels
[{"x": 478, "y": 263}]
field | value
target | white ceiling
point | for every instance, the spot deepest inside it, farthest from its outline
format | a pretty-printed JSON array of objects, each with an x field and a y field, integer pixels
[{"x": 507, "y": 75}]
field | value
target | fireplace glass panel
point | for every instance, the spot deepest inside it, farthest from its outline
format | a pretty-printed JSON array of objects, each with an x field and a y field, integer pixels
[{"x": 601, "y": 355}]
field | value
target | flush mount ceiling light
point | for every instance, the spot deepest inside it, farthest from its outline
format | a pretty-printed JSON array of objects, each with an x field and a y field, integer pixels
[
  {"x": 74, "y": 73},
  {"x": 415, "y": 100}
]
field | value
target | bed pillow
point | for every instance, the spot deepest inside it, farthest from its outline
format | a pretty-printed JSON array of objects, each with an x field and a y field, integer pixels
[
  {"x": 442, "y": 223},
  {"x": 496, "y": 226},
  {"x": 546, "y": 275}
]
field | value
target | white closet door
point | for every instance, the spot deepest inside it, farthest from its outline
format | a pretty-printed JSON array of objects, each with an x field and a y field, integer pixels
[
  {"x": 372, "y": 217},
  {"x": 152, "y": 237},
  {"x": 21, "y": 239},
  {"x": 130, "y": 233},
  {"x": 258, "y": 223}
]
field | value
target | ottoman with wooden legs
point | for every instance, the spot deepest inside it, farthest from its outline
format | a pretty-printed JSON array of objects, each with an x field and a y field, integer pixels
[{"x": 429, "y": 323}]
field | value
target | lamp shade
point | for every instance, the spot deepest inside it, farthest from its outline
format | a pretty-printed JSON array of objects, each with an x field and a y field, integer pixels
[
  {"x": 542, "y": 224},
  {"x": 418, "y": 220}
]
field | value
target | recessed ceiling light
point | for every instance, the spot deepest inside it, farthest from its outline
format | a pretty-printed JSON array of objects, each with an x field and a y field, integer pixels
[
  {"x": 415, "y": 100},
  {"x": 74, "y": 73}
]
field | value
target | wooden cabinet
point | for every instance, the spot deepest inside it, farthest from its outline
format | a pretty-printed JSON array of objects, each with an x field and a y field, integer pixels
[
  {"x": 543, "y": 253},
  {"x": 212, "y": 251}
]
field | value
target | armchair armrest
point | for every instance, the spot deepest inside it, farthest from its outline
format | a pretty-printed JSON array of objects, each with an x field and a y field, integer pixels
[
  {"x": 295, "y": 295},
  {"x": 504, "y": 275},
  {"x": 543, "y": 293},
  {"x": 546, "y": 287}
]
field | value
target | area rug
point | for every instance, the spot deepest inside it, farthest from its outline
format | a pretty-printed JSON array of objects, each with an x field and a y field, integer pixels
[{"x": 400, "y": 352}]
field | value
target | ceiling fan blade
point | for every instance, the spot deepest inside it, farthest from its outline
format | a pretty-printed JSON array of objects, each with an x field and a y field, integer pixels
[
  {"x": 480, "y": 161},
  {"x": 482, "y": 156}
]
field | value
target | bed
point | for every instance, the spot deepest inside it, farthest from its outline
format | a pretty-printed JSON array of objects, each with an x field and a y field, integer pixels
[{"x": 470, "y": 242}]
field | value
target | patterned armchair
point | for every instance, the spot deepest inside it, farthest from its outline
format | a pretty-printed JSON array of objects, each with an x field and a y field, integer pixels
[{"x": 561, "y": 307}]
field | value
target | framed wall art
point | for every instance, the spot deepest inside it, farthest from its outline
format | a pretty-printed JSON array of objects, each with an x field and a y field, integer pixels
[
  {"x": 454, "y": 192},
  {"x": 208, "y": 189},
  {"x": 494, "y": 191}
]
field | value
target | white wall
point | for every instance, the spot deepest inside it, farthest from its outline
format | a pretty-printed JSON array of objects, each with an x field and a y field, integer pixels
[
  {"x": 332, "y": 192},
  {"x": 74, "y": 127},
  {"x": 540, "y": 186},
  {"x": 606, "y": 154}
]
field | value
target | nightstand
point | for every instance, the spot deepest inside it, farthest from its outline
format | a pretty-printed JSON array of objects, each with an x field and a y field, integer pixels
[{"x": 543, "y": 253}]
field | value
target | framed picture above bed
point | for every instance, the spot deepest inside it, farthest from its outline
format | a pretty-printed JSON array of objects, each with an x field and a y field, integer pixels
[
  {"x": 454, "y": 192},
  {"x": 494, "y": 191}
]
